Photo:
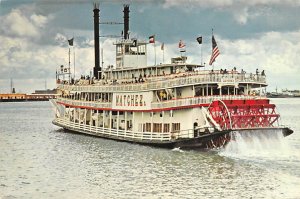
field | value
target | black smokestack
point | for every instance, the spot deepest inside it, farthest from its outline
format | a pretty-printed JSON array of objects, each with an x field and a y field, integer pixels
[
  {"x": 97, "y": 69},
  {"x": 126, "y": 21}
]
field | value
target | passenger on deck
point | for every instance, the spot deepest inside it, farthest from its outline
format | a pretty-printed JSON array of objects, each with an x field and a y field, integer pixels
[{"x": 195, "y": 131}]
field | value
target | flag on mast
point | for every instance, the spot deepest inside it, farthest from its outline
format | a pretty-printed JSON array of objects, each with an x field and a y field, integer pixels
[
  {"x": 71, "y": 41},
  {"x": 181, "y": 44},
  {"x": 199, "y": 39},
  {"x": 215, "y": 51},
  {"x": 152, "y": 39}
]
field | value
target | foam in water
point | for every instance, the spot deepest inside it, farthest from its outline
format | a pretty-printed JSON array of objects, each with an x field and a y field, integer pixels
[
  {"x": 256, "y": 143},
  {"x": 177, "y": 149}
]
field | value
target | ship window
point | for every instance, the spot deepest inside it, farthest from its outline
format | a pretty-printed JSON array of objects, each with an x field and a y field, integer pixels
[
  {"x": 157, "y": 127},
  {"x": 147, "y": 127},
  {"x": 175, "y": 126},
  {"x": 216, "y": 91},
  {"x": 161, "y": 114},
  {"x": 119, "y": 49},
  {"x": 126, "y": 48},
  {"x": 166, "y": 128}
]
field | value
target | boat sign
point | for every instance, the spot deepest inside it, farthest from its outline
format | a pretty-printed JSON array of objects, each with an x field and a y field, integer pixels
[{"x": 134, "y": 101}]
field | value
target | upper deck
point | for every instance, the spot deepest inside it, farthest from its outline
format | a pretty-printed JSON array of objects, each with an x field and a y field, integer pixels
[{"x": 166, "y": 81}]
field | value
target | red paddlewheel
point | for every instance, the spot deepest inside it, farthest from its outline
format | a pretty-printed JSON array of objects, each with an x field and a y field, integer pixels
[
  {"x": 220, "y": 114},
  {"x": 218, "y": 142},
  {"x": 240, "y": 114}
]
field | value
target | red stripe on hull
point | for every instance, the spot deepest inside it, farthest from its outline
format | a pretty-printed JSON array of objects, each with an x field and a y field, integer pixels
[{"x": 130, "y": 110}]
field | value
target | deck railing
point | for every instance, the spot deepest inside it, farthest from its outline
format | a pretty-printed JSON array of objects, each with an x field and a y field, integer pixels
[
  {"x": 85, "y": 103},
  {"x": 170, "y": 81},
  {"x": 164, "y": 104},
  {"x": 116, "y": 133},
  {"x": 200, "y": 100},
  {"x": 122, "y": 134}
]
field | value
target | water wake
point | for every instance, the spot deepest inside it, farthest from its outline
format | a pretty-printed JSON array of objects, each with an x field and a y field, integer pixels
[
  {"x": 257, "y": 144},
  {"x": 178, "y": 150}
]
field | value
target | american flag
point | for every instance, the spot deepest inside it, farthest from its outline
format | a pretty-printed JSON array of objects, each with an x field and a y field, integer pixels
[{"x": 215, "y": 51}]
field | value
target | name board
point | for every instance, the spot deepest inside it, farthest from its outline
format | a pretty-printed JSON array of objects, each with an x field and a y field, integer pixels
[
  {"x": 132, "y": 101},
  {"x": 228, "y": 79}
]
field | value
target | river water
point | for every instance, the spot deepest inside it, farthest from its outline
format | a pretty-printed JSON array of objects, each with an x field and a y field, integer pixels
[{"x": 39, "y": 160}]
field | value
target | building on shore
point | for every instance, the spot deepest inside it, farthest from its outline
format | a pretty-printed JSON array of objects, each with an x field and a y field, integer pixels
[{"x": 38, "y": 95}]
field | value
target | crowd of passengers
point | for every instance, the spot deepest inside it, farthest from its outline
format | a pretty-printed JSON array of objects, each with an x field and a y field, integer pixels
[{"x": 87, "y": 80}]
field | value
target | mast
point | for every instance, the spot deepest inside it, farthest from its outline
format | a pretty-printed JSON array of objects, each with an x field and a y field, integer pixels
[
  {"x": 97, "y": 68},
  {"x": 11, "y": 85}
]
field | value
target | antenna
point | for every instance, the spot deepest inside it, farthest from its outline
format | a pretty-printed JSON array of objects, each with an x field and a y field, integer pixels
[
  {"x": 11, "y": 85},
  {"x": 45, "y": 84},
  {"x": 102, "y": 57}
]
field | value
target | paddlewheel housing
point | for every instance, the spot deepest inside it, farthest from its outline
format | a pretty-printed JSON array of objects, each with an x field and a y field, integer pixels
[{"x": 244, "y": 114}]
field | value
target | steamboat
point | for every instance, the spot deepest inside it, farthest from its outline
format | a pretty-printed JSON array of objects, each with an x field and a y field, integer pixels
[{"x": 167, "y": 105}]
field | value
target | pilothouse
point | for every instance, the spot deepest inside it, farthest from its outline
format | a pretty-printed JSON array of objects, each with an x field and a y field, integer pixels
[{"x": 166, "y": 105}]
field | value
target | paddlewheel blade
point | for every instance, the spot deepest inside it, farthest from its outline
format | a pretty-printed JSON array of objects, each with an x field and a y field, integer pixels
[{"x": 244, "y": 114}]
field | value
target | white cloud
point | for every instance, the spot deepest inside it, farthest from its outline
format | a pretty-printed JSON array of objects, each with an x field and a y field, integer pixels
[
  {"x": 229, "y": 3},
  {"x": 16, "y": 24},
  {"x": 39, "y": 20},
  {"x": 266, "y": 50},
  {"x": 242, "y": 10}
]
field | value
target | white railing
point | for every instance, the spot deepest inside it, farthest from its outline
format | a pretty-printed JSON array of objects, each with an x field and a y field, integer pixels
[
  {"x": 164, "y": 104},
  {"x": 116, "y": 133},
  {"x": 85, "y": 103},
  {"x": 200, "y": 100},
  {"x": 170, "y": 81}
]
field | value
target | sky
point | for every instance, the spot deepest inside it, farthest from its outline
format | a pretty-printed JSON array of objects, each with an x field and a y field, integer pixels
[{"x": 256, "y": 34}]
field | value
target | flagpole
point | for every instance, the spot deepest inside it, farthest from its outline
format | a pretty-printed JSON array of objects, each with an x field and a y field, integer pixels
[
  {"x": 154, "y": 54},
  {"x": 162, "y": 48},
  {"x": 102, "y": 63},
  {"x": 201, "y": 55},
  {"x": 164, "y": 54},
  {"x": 69, "y": 64},
  {"x": 74, "y": 60}
]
